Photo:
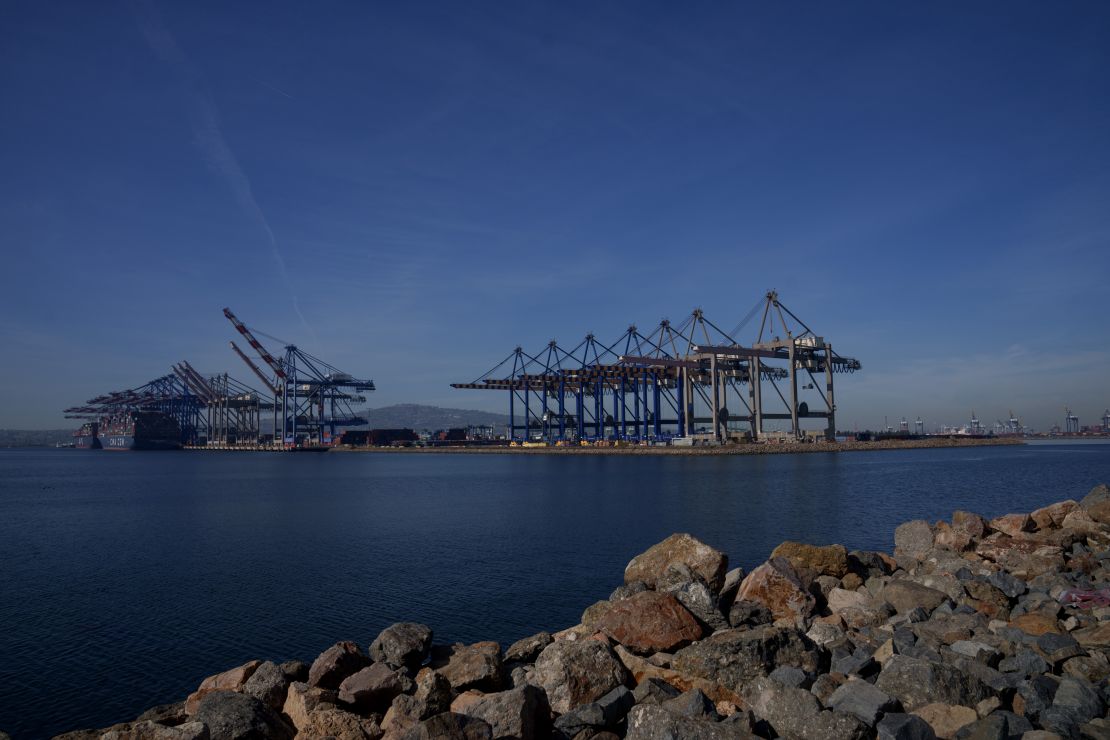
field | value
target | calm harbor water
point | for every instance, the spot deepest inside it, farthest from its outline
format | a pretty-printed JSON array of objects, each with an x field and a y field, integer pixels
[{"x": 127, "y": 578}]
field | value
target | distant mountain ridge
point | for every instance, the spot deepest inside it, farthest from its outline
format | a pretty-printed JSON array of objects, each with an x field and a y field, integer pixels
[
  {"x": 418, "y": 417},
  {"x": 35, "y": 437},
  {"x": 398, "y": 416}
]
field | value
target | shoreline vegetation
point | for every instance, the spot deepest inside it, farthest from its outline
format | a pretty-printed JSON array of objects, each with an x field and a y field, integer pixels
[
  {"x": 729, "y": 449},
  {"x": 970, "y": 629}
]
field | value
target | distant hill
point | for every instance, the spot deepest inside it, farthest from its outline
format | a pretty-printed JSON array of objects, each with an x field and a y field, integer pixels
[
  {"x": 34, "y": 437},
  {"x": 415, "y": 416},
  {"x": 399, "y": 416}
]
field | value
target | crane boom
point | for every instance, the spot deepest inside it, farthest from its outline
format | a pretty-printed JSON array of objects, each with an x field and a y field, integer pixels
[
  {"x": 190, "y": 383},
  {"x": 200, "y": 381},
  {"x": 255, "y": 344},
  {"x": 257, "y": 371}
]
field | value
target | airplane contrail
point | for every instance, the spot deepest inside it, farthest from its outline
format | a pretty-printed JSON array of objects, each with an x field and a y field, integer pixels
[{"x": 208, "y": 135}]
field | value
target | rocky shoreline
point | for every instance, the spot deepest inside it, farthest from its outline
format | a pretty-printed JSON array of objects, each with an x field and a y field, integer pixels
[
  {"x": 971, "y": 629},
  {"x": 730, "y": 449}
]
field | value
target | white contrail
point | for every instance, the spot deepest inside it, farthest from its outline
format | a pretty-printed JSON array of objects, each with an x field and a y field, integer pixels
[
  {"x": 275, "y": 88},
  {"x": 208, "y": 136}
]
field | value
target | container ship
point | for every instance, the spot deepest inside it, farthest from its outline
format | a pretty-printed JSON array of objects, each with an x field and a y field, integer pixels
[
  {"x": 140, "y": 430},
  {"x": 86, "y": 437}
]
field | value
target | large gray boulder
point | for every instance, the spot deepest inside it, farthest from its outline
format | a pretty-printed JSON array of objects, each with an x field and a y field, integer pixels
[
  {"x": 268, "y": 684},
  {"x": 917, "y": 682},
  {"x": 1097, "y": 503},
  {"x": 914, "y": 539},
  {"x": 450, "y": 726},
  {"x": 796, "y": 713},
  {"x": 433, "y": 692},
  {"x": 733, "y": 657},
  {"x": 522, "y": 713},
  {"x": 374, "y": 687},
  {"x": 905, "y": 596},
  {"x": 696, "y": 597},
  {"x": 578, "y": 672},
  {"x": 604, "y": 713},
  {"x": 526, "y": 649},
  {"x": 897, "y": 726},
  {"x": 1076, "y": 702},
  {"x": 404, "y": 644},
  {"x": 862, "y": 700},
  {"x": 233, "y": 716},
  {"x": 150, "y": 730}
]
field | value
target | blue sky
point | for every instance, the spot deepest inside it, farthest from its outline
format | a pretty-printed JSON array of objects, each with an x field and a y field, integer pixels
[{"x": 409, "y": 190}]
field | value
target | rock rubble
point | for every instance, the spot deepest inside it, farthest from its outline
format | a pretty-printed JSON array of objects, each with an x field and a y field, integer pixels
[{"x": 972, "y": 630}]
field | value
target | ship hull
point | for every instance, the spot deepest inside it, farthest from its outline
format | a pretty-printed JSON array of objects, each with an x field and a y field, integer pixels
[
  {"x": 140, "y": 430},
  {"x": 86, "y": 442},
  {"x": 87, "y": 437},
  {"x": 128, "y": 442}
]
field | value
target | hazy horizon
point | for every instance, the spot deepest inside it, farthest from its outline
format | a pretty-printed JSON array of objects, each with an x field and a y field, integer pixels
[{"x": 410, "y": 192}]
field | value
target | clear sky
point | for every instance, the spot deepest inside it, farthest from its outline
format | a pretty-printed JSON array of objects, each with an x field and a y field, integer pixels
[{"x": 409, "y": 190}]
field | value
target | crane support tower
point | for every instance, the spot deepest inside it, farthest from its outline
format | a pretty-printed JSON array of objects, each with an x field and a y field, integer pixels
[
  {"x": 675, "y": 381},
  {"x": 312, "y": 398}
]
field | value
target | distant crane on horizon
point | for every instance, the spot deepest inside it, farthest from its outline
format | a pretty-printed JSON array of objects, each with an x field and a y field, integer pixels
[{"x": 1071, "y": 421}]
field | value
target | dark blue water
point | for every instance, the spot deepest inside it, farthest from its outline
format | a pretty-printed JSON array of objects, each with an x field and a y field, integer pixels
[{"x": 128, "y": 577}]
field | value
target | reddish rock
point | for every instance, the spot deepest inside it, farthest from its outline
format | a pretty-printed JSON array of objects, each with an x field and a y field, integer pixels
[
  {"x": 1025, "y": 557},
  {"x": 649, "y": 622},
  {"x": 337, "y": 724},
  {"x": 988, "y": 600},
  {"x": 1012, "y": 524},
  {"x": 1053, "y": 515},
  {"x": 828, "y": 560},
  {"x": 466, "y": 700},
  {"x": 301, "y": 699},
  {"x": 1078, "y": 520},
  {"x": 946, "y": 719},
  {"x": 230, "y": 680},
  {"x": 336, "y": 663},
  {"x": 703, "y": 561},
  {"x": 776, "y": 585},
  {"x": 1036, "y": 624},
  {"x": 952, "y": 538},
  {"x": 476, "y": 666},
  {"x": 966, "y": 521}
]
